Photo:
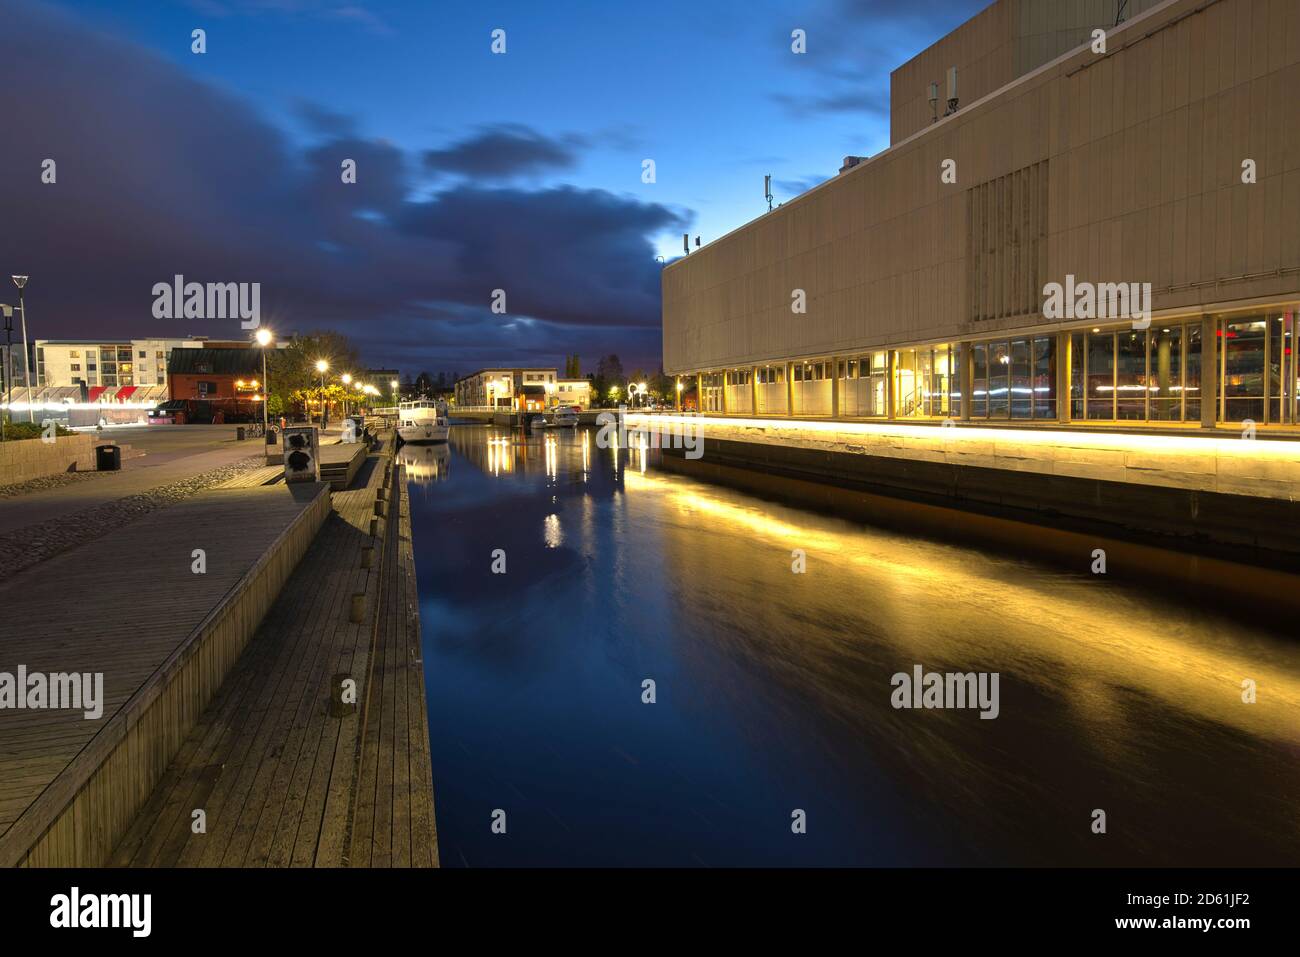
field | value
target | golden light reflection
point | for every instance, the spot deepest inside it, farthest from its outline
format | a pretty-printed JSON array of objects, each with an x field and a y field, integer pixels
[
  {"x": 1105, "y": 642},
  {"x": 1228, "y": 445}
]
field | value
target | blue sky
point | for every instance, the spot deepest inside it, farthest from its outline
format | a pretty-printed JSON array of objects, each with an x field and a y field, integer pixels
[{"x": 585, "y": 92}]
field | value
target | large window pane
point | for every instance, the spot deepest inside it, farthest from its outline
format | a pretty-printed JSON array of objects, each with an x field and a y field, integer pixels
[
  {"x": 1192, "y": 383},
  {"x": 1277, "y": 358},
  {"x": 1131, "y": 377},
  {"x": 980, "y": 387},
  {"x": 999, "y": 379},
  {"x": 1243, "y": 369},
  {"x": 1078, "y": 359},
  {"x": 1101, "y": 375},
  {"x": 1045, "y": 377},
  {"x": 1021, "y": 389},
  {"x": 1166, "y": 387}
]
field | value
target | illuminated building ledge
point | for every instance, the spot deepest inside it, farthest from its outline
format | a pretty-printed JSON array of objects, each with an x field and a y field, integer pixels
[{"x": 1218, "y": 463}]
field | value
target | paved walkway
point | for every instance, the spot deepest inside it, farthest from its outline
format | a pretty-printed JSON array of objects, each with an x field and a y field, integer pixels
[
  {"x": 139, "y": 477},
  {"x": 287, "y": 774},
  {"x": 121, "y": 606}
]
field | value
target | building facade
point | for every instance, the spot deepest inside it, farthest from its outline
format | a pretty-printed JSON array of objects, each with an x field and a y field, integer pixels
[
  {"x": 518, "y": 388},
  {"x": 1106, "y": 238}
]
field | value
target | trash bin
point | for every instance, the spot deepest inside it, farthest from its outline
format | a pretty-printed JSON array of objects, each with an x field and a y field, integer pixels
[
  {"x": 272, "y": 436},
  {"x": 108, "y": 458},
  {"x": 239, "y": 434}
]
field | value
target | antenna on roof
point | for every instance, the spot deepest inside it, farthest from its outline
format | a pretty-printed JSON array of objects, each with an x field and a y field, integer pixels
[
  {"x": 952, "y": 90},
  {"x": 934, "y": 102},
  {"x": 686, "y": 242},
  {"x": 767, "y": 190},
  {"x": 1119, "y": 14}
]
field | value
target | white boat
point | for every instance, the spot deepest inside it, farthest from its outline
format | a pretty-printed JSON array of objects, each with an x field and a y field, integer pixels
[
  {"x": 422, "y": 420},
  {"x": 565, "y": 418}
]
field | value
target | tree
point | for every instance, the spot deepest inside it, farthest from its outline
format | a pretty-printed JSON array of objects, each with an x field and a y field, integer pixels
[
  {"x": 293, "y": 368},
  {"x": 423, "y": 384}
]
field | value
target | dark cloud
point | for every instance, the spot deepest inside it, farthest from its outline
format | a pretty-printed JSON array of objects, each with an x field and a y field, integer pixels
[
  {"x": 323, "y": 121},
  {"x": 504, "y": 151},
  {"x": 160, "y": 174}
]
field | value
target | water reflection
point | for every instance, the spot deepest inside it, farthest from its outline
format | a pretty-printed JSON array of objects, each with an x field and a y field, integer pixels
[
  {"x": 772, "y": 688},
  {"x": 425, "y": 464}
]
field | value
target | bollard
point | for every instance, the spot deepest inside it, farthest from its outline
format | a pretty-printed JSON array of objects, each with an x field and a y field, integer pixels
[
  {"x": 379, "y": 507},
  {"x": 367, "y": 555},
  {"x": 374, "y": 528},
  {"x": 358, "y": 610},
  {"x": 381, "y": 493}
]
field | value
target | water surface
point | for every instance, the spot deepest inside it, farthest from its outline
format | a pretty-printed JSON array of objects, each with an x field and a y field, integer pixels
[{"x": 773, "y": 688}]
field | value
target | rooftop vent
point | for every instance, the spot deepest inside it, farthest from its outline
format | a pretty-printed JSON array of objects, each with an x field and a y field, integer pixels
[{"x": 852, "y": 161}]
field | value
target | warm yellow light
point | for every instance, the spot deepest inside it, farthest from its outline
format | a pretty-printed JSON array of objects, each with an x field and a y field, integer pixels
[
  {"x": 239, "y": 383},
  {"x": 253, "y": 384},
  {"x": 264, "y": 337},
  {"x": 321, "y": 365},
  {"x": 679, "y": 387},
  {"x": 347, "y": 379}
]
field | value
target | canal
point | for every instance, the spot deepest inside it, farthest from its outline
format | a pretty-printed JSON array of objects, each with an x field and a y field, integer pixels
[{"x": 772, "y": 689}]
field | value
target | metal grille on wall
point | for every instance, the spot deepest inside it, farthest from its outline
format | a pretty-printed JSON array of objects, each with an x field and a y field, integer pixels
[{"x": 1007, "y": 243}]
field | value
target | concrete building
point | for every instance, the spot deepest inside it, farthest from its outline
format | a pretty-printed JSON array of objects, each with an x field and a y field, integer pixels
[
  {"x": 516, "y": 388},
  {"x": 979, "y": 269},
  {"x": 573, "y": 392}
]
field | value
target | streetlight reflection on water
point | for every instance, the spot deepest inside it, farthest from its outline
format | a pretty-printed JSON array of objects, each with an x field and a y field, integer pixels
[{"x": 779, "y": 683}]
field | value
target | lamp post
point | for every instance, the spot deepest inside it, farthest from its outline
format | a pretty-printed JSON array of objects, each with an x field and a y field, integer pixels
[
  {"x": 393, "y": 385},
  {"x": 322, "y": 367},
  {"x": 8, "y": 367},
  {"x": 346, "y": 379},
  {"x": 20, "y": 282},
  {"x": 264, "y": 338}
]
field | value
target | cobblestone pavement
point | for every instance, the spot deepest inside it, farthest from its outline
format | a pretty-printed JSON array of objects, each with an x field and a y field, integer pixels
[
  {"x": 25, "y": 547},
  {"x": 46, "y": 482}
]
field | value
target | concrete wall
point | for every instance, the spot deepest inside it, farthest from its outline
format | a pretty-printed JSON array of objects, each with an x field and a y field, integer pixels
[
  {"x": 1002, "y": 42},
  {"x": 1142, "y": 152},
  {"x": 27, "y": 459}
]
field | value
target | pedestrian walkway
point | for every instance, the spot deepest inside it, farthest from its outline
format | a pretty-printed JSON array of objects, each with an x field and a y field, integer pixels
[
  {"x": 25, "y": 511},
  {"x": 160, "y": 610},
  {"x": 287, "y": 767}
]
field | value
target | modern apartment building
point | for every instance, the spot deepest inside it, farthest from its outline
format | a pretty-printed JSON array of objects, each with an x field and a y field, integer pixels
[
  {"x": 518, "y": 388},
  {"x": 1047, "y": 168}
]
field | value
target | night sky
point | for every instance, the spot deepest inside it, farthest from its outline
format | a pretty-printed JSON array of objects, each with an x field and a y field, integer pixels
[{"x": 475, "y": 171}]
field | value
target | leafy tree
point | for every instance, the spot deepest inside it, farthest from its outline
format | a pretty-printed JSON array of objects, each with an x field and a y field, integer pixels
[{"x": 293, "y": 368}]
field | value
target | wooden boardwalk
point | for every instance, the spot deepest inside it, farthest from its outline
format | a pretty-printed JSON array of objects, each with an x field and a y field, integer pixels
[
  {"x": 130, "y": 606},
  {"x": 285, "y": 771}
]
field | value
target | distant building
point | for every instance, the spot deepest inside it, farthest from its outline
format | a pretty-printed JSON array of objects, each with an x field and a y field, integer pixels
[
  {"x": 229, "y": 379},
  {"x": 111, "y": 363},
  {"x": 383, "y": 380},
  {"x": 522, "y": 389},
  {"x": 573, "y": 392}
]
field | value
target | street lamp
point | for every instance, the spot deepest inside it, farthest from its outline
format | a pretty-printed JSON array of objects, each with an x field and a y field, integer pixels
[
  {"x": 322, "y": 367},
  {"x": 346, "y": 379},
  {"x": 8, "y": 312},
  {"x": 264, "y": 337},
  {"x": 20, "y": 282},
  {"x": 393, "y": 385},
  {"x": 679, "y": 395}
]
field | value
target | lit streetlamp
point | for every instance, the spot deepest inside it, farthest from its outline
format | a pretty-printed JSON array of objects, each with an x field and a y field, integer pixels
[
  {"x": 322, "y": 367},
  {"x": 20, "y": 282},
  {"x": 346, "y": 379},
  {"x": 393, "y": 385},
  {"x": 264, "y": 337}
]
